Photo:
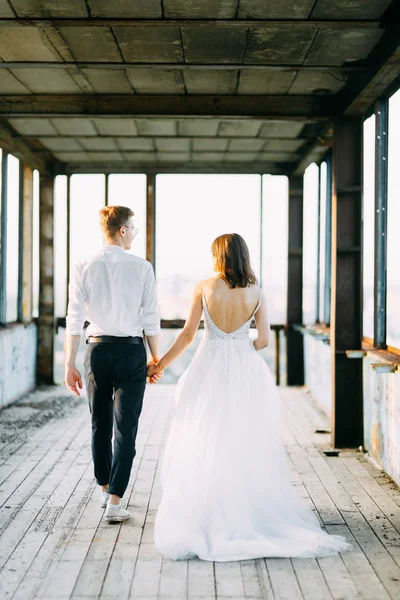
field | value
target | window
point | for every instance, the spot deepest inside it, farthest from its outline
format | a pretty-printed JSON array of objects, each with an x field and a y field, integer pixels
[
  {"x": 12, "y": 239},
  {"x": 310, "y": 244},
  {"x": 130, "y": 190},
  {"x": 87, "y": 198},
  {"x": 368, "y": 226},
  {"x": 60, "y": 244},
  {"x": 275, "y": 245},
  {"x": 191, "y": 211},
  {"x": 393, "y": 240},
  {"x": 322, "y": 238}
]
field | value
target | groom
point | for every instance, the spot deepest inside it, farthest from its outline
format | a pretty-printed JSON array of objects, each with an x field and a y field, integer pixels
[{"x": 116, "y": 292}]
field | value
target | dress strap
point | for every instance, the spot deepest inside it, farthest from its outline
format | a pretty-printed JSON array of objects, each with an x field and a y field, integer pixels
[{"x": 258, "y": 305}]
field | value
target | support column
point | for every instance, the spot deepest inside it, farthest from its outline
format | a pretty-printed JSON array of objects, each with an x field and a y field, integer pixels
[
  {"x": 295, "y": 348},
  {"x": 46, "y": 278},
  {"x": 151, "y": 219},
  {"x": 381, "y": 182},
  {"x": 3, "y": 239},
  {"x": 346, "y": 313},
  {"x": 26, "y": 217}
]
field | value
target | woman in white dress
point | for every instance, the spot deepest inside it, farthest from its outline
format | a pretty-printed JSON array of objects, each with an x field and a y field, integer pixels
[{"x": 226, "y": 485}]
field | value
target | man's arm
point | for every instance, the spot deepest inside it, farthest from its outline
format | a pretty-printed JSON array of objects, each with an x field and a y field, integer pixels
[
  {"x": 74, "y": 325},
  {"x": 150, "y": 315}
]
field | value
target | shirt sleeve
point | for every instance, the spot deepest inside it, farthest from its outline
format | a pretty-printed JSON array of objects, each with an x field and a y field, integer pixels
[
  {"x": 76, "y": 314},
  {"x": 150, "y": 314}
]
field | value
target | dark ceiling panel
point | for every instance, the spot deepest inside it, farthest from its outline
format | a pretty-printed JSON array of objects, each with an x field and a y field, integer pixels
[
  {"x": 278, "y": 45},
  {"x": 200, "y": 9},
  {"x": 145, "y": 44},
  {"x": 9, "y": 84},
  {"x": 308, "y": 82},
  {"x": 26, "y": 44},
  {"x": 156, "y": 81},
  {"x": 53, "y": 81},
  {"x": 211, "y": 82},
  {"x": 236, "y": 128},
  {"x": 281, "y": 129},
  {"x": 275, "y": 9},
  {"x": 105, "y": 81},
  {"x": 5, "y": 10},
  {"x": 91, "y": 44},
  {"x": 51, "y": 8},
  {"x": 126, "y": 9},
  {"x": 356, "y": 9},
  {"x": 337, "y": 47},
  {"x": 198, "y": 127},
  {"x": 223, "y": 45},
  {"x": 271, "y": 82}
]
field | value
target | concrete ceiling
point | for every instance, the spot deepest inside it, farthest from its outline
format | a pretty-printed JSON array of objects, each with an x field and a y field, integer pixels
[{"x": 190, "y": 84}]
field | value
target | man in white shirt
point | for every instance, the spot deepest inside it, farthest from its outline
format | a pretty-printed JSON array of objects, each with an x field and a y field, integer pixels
[{"x": 116, "y": 292}]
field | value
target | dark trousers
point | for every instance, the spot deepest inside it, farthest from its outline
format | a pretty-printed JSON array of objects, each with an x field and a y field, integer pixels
[{"x": 115, "y": 379}]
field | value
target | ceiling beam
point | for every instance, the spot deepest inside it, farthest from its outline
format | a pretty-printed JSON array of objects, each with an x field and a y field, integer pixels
[
  {"x": 200, "y": 23},
  {"x": 84, "y": 105},
  {"x": 119, "y": 66},
  {"x": 260, "y": 168}
]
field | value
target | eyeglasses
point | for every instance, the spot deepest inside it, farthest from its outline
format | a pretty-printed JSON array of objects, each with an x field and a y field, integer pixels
[{"x": 135, "y": 230}]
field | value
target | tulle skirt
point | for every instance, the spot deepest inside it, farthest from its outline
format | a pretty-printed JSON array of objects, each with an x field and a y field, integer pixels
[{"x": 226, "y": 485}]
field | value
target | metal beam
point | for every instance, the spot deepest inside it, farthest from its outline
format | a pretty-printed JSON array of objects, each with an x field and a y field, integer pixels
[
  {"x": 346, "y": 309},
  {"x": 45, "y": 364},
  {"x": 381, "y": 185},
  {"x": 118, "y": 105},
  {"x": 121, "y": 66},
  {"x": 21, "y": 193},
  {"x": 328, "y": 241},
  {"x": 27, "y": 244},
  {"x": 218, "y": 168},
  {"x": 212, "y": 24},
  {"x": 294, "y": 345}
]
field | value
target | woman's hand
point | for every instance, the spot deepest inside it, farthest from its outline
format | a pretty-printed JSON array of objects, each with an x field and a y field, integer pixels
[{"x": 154, "y": 372}]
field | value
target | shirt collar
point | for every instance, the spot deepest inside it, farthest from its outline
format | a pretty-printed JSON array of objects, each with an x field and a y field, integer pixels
[{"x": 112, "y": 248}]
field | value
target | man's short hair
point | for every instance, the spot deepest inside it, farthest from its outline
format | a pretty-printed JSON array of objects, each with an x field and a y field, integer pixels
[{"x": 114, "y": 217}]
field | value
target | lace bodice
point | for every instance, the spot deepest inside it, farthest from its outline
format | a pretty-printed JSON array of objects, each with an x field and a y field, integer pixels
[{"x": 215, "y": 333}]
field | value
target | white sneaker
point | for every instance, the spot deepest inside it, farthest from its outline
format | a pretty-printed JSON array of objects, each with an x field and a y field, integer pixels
[
  {"x": 104, "y": 496},
  {"x": 115, "y": 513}
]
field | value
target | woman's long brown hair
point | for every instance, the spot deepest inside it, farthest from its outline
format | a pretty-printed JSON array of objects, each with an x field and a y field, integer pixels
[{"x": 233, "y": 260}]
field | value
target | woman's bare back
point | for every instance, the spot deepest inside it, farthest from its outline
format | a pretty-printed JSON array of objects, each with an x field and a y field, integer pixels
[{"x": 229, "y": 308}]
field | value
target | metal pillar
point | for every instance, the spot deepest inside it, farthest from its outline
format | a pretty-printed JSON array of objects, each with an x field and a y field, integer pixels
[
  {"x": 318, "y": 290},
  {"x": 294, "y": 346},
  {"x": 68, "y": 240},
  {"x": 381, "y": 182},
  {"x": 328, "y": 241},
  {"x": 3, "y": 239},
  {"x": 151, "y": 219},
  {"x": 46, "y": 278},
  {"x": 25, "y": 288},
  {"x": 346, "y": 313},
  {"x": 106, "y": 190}
]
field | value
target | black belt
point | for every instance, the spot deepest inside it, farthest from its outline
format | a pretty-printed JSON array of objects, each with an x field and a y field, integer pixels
[{"x": 112, "y": 339}]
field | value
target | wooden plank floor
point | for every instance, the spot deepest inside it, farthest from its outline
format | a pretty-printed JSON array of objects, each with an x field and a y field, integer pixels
[{"x": 54, "y": 543}]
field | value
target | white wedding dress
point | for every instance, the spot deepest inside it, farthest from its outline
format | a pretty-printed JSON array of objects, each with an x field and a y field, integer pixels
[{"x": 226, "y": 486}]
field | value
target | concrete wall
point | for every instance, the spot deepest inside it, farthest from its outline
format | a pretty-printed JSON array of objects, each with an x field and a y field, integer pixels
[
  {"x": 382, "y": 418},
  {"x": 318, "y": 370},
  {"x": 18, "y": 348}
]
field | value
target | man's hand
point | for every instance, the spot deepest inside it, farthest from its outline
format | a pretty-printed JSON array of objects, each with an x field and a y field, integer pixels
[
  {"x": 154, "y": 373},
  {"x": 73, "y": 380}
]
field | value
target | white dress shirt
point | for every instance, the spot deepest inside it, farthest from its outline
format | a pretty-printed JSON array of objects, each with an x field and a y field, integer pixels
[{"x": 116, "y": 292}]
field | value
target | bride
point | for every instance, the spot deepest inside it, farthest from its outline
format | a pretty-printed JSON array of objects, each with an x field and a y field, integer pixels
[{"x": 226, "y": 486}]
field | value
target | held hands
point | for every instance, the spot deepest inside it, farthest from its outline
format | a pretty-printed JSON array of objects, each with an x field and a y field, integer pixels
[
  {"x": 73, "y": 380},
  {"x": 154, "y": 372}
]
